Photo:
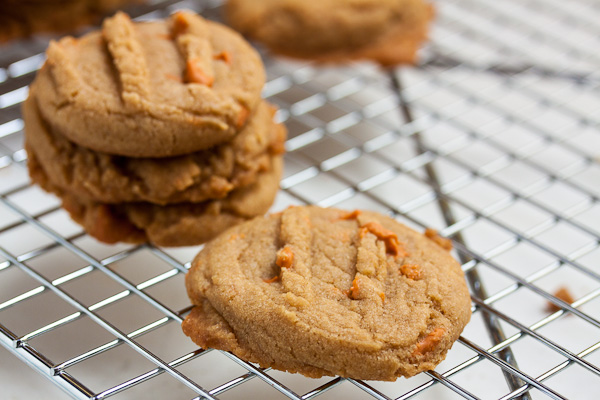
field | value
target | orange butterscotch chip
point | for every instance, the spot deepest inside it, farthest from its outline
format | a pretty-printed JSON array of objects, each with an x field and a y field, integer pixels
[
  {"x": 195, "y": 74},
  {"x": 180, "y": 24},
  {"x": 351, "y": 215},
  {"x": 411, "y": 271},
  {"x": 242, "y": 117},
  {"x": 353, "y": 291},
  {"x": 224, "y": 56},
  {"x": 382, "y": 295},
  {"x": 392, "y": 244},
  {"x": 444, "y": 243},
  {"x": 271, "y": 280},
  {"x": 429, "y": 342},
  {"x": 285, "y": 258}
]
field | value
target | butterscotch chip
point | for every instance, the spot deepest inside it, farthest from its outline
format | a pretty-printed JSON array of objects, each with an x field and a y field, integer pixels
[
  {"x": 341, "y": 308},
  {"x": 195, "y": 74},
  {"x": 392, "y": 244},
  {"x": 285, "y": 258},
  {"x": 224, "y": 56},
  {"x": 411, "y": 271},
  {"x": 430, "y": 341},
  {"x": 271, "y": 280},
  {"x": 195, "y": 177},
  {"x": 180, "y": 24},
  {"x": 444, "y": 243},
  {"x": 351, "y": 215},
  {"x": 181, "y": 224},
  {"x": 387, "y": 31},
  {"x": 353, "y": 291},
  {"x": 107, "y": 91}
]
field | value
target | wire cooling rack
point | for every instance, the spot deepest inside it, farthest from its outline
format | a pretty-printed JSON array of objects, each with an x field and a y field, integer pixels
[{"x": 493, "y": 140}]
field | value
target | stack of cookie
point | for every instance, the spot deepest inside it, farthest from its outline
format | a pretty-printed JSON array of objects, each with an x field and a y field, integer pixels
[
  {"x": 389, "y": 32},
  {"x": 154, "y": 131}
]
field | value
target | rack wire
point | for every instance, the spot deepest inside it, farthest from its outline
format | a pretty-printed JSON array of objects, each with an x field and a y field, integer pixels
[{"x": 493, "y": 139}]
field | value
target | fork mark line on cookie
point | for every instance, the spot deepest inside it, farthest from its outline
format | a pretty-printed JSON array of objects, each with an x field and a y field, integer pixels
[
  {"x": 128, "y": 58},
  {"x": 193, "y": 40}
]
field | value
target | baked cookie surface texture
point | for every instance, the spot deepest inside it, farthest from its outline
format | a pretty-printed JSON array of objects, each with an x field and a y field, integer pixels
[
  {"x": 152, "y": 89},
  {"x": 387, "y": 31},
  {"x": 328, "y": 292}
]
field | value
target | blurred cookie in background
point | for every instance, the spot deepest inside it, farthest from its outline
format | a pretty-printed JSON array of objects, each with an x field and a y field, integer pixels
[
  {"x": 23, "y": 18},
  {"x": 387, "y": 31}
]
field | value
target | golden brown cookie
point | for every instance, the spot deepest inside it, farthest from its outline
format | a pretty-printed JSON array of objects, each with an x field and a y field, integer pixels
[
  {"x": 150, "y": 89},
  {"x": 195, "y": 177},
  {"x": 328, "y": 292},
  {"x": 21, "y": 18},
  {"x": 387, "y": 31},
  {"x": 183, "y": 224}
]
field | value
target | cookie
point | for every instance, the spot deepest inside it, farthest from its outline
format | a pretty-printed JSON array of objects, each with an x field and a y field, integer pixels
[
  {"x": 150, "y": 89},
  {"x": 196, "y": 177},
  {"x": 328, "y": 292},
  {"x": 22, "y": 18},
  {"x": 387, "y": 31},
  {"x": 183, "y": 224}
]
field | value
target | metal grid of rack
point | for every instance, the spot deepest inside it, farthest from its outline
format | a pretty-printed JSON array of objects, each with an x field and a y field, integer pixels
[{"x": 493, "y": 139}]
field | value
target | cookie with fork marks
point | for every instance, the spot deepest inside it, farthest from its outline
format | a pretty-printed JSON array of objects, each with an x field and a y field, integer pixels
[
  {"x": 328, "y": 292},
  {"x": 150, "y": 89}
]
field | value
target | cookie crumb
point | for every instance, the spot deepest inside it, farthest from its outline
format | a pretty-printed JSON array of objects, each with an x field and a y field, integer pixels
[
  {"x": 411, "y": 271},
  {"x": 392, "y": 244},
  {"x": 563, "y": 294},
  {"x": 224, "y": 56},
  {"x": 429, "y": 342},
  {"x": 433, "y": 235},
  {"x": 195, "y": 74},
  {"x": 285, "y": 258},
  {"x": 351, "y": 215}
]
